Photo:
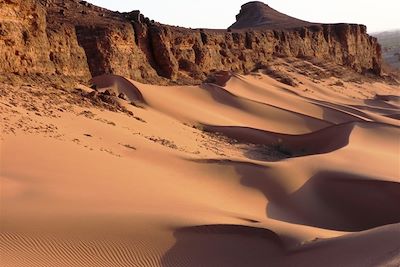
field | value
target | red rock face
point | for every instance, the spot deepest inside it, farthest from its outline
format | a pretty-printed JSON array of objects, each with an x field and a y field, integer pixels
[{"x": 76, "y": 39}]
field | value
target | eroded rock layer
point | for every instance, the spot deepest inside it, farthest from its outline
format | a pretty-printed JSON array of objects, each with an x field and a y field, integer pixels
[{"x": 76, "y": 39}]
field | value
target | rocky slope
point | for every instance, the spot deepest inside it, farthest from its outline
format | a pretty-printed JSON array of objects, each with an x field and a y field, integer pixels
[{"x": 75, "y": 39}]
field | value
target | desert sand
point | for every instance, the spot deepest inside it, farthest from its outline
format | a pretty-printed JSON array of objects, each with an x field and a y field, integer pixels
[{"x": 250, "y": 172}]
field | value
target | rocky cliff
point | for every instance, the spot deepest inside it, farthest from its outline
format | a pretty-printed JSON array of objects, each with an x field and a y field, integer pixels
[{"x": 76, "y": 39}]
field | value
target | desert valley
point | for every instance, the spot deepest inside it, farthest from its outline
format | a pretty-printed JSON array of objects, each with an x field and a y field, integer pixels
[{"x": 127, "y": 142}]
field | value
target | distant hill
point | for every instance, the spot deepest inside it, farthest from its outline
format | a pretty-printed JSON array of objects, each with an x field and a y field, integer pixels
[
  {"x": 390, "y": 41},
  {"x": 256, "y": 14}
]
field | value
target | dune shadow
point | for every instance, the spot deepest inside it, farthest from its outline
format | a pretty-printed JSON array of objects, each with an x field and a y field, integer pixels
[
  {"x": 395, "y": 116},
  {"x": 262, "y": 179},
  {"x": 379, "y": 104},
  {"x": 343, "y": 202},
  {"x": 258, "y": 108},
  {"x": 224, "y": 245},
  {"x": 222, "y": 96},
  {"x": 340, "y": 113},
  {"x": 253, "y": 175},
  {"x": 284, "y": 89},
  {"x": 356, "y": 113},
  {"x": 337, "y": 113},
  {"x": 334, "y": 113},
  {"x": 388, "y": 98},
  {"x": 329, "y": 200},
  {"x": 270, "y": 146},
  {"x": 377, "y": 110},
  {"x": 385, "y": 105}
]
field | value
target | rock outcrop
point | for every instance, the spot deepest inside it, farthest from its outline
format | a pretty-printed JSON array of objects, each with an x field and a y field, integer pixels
[
  {"x": 259, "y": 15},
  {"x": 76, "y": 39}
]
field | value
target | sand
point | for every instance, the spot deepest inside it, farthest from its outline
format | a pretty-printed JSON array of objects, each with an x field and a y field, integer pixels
[{"x": 253, "y": 173}]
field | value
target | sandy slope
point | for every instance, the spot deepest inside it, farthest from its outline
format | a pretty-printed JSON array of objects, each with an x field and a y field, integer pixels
[{"x": 253, "y": 173}]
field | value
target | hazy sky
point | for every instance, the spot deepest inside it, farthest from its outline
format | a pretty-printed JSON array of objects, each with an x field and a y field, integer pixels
[{"x": 378, "y": 15}]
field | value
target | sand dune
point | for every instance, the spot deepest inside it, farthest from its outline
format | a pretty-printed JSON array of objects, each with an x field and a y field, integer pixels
[
  {"x": 246, "y": 171},
  {"x": 318, "y": 142},
  {"x": 261, "y": 247},
  {"x": 119, "y": 85}
]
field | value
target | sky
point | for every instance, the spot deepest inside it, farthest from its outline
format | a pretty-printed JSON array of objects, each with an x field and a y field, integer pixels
[{"x": 378, "y": 15}]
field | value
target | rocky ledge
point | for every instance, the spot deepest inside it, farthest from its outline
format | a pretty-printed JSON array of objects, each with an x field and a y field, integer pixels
[{"x": 76, "y": 39}]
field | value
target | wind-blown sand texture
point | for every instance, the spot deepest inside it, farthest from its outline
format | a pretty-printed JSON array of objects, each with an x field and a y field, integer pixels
[{"x": 251, "y": 172}]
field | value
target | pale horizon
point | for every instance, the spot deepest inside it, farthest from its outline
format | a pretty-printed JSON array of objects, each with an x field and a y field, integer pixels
[{"x": 221, "y": 14}]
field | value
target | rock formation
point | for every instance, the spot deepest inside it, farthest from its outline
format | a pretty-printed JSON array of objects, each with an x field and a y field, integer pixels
[
  {"x": 75, "y": 39},
  {"x": 257, "y": 14}
]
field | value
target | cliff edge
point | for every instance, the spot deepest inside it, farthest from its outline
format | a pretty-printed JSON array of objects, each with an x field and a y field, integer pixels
[{"x": 76, "y": 39}]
